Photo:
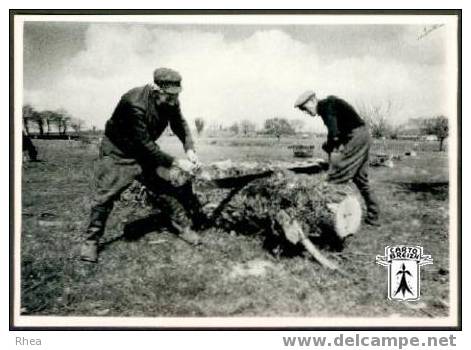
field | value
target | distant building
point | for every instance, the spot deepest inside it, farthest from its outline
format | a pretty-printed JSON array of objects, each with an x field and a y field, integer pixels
[
  {"x": 429, "y": 138},
  {"x": 411, "y": 137}
]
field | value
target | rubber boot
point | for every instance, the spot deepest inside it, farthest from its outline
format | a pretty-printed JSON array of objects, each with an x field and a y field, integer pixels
[
  {"x": 372, "y": 207},
  {"x": 96, "y": 229},
  {"x": 89, "y": 251}
]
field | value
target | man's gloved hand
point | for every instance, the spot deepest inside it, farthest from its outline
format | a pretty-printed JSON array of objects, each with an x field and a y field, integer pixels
[
  {"x": 192, "y": 157},
  {"x": 185, "y": 165},
  {"x": 179, "y": 173}
]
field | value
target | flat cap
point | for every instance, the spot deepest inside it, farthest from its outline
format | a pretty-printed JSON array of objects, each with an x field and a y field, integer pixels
[
  {"x": 168, "y": 80},
  {"x": 303, "y": 98}
]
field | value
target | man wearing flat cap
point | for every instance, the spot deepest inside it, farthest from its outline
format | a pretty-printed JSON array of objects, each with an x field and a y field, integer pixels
[
  {"x": 128, "y": 150},
  {"x": 345, "y": 128}
]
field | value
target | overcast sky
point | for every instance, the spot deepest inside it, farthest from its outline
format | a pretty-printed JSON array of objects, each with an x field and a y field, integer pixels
[{"x": 236, "y": 72}]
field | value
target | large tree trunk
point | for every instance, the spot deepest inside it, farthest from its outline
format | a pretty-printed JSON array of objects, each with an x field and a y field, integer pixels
[
  {"x": 40, "y": 127},
  {"x": 321, "y": 208},
  {"x": 441, "y": 144},
  {"x": 26, "y": 125},
  {"x": 246, "y": 197}
]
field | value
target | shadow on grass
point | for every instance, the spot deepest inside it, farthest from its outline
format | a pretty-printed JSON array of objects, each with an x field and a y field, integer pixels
[
  {"x": 137, "y": 229},
  {"x": 427, "y": 190}
]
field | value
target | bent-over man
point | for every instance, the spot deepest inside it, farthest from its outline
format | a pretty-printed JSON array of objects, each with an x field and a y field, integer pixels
[
  {"x": 345, "y": 128},
  {"x": 128, "y": 150}
]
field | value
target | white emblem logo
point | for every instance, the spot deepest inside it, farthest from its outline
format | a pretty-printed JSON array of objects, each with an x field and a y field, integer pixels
[{"x": 403, "y": 264}]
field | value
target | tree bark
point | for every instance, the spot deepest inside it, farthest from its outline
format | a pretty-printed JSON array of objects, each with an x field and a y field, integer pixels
[
  {"x": 325, "y": 211},
  {"x": 26, "y": 125},
  {"x": 321, "y": 208}
]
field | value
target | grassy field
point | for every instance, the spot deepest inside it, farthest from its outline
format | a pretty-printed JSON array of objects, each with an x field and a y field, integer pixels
[{"x": 229, "y": 275}]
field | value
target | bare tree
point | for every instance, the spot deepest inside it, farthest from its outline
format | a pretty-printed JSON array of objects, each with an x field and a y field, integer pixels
[
  {"x": 278, "y": 127},
  {"x": 377, "y": 116},
  {"x": 65, "y": 120},
  {"x": 48, "y": 123},
  {"x": 77, "y": 124},
  {"x": 56, "y": 119},
  {"x": 28, "y": 112},
  {"x": 199, "y": 123},
  {"x": 437, "y": 126},
  {"x": 60, "y": 118},
  {"x": 48, "y": 117},
  {"x": 213, "y": 128},
  {"x": 247, "y": 127},
  {"x": 38, "y": 119},
  {"x": 234, "y": 128}
]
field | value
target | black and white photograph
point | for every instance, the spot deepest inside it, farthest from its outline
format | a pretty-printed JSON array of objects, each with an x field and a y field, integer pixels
[{"x": 234, "y": 170}]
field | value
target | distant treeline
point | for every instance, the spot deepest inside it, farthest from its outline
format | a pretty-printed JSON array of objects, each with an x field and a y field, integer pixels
[{"x": 50, "y": 124}]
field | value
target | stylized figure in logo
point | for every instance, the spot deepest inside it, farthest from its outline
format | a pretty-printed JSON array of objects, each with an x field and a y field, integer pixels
[
  {"x": 403, "y": 285},
  {"x": 403, "y": 260}
]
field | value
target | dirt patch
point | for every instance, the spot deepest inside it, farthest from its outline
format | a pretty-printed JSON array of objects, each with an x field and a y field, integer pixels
[
  {"x": 427, "y": 190},
  {"x": 255, "y": 268}
]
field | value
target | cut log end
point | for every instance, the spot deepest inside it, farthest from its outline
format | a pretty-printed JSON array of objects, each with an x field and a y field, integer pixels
[{"x": 348, "y": 216}]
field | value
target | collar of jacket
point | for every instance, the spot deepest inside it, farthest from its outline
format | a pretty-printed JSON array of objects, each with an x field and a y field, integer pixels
[{"x": 151, "y": 102}]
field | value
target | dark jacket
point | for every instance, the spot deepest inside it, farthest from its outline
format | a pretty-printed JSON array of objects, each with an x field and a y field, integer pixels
[
  {"x": 137, "y": 122},
  {"x": 340, "y": 118}
]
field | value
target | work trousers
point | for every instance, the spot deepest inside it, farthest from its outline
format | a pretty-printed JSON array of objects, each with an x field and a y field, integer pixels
[
  {"x": 353, "y": 164},
  {"x": 113, "y": 174}
]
